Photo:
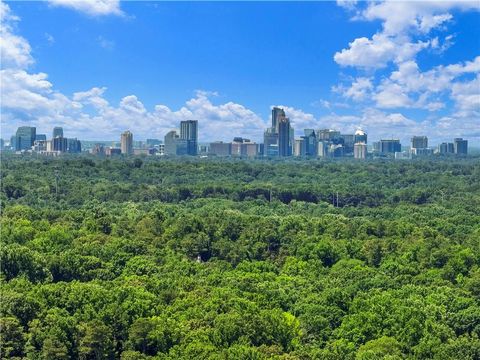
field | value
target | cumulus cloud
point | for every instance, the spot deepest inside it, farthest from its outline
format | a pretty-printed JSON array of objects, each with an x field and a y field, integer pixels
[
  {"x": 91, "y": 7},
  {"x": 15, "y": 50}
]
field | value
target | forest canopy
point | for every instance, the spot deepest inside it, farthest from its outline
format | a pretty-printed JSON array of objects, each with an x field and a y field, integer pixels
[{"x": 147, "y": 258}]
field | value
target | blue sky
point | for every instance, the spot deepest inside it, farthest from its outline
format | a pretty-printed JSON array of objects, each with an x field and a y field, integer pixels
[{"x": 97, "y": 68}]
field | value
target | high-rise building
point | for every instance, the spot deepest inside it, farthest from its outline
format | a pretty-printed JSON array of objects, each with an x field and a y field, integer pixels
[
  {"x": 189, "y": 132},
  {"x": 446, "y": 148},
  {"x": 298, "y": 147},
  {"x": 170, "y": 142},
  {"x": 419, "y": 142},
  {"x": 460, "y": 146},
  {"x": 277, "y": 113},
  {"x": 360, "y": 136},
  {"x": 219, "y": 148},
  {"x": 360, "y": 150},
  {"x": 270, "y": 142},
  {"x": 126, "y": 143},
  {"x": 322, "y": 148},
  {"x": 309, "y": 143},
  {"x": 25, "y": 137},
  {"x": 284, "y": 137},
  {"x": 41, "y": 137},
  {"x": 74, "y": 146},
  {"x": 57, "y": 131},
  {"x": 390, "y": 146},
  {"x": 347, "y": 140},
  {"x": 60, "y": 144}
]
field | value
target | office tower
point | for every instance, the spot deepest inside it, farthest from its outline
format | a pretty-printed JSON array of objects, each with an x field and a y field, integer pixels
[
  {"x": 219, "y": 148},
  {"x": 189, "y": 133},
  {"x": 74, "y": 146},
  {"x": 126, "y": 143},
  {"x": 25, "y": 137},
  {"x": 277, "y": 113},
  {"x": 322, "y": 148},
  {"x": 112, "y": 151},
  {"x": 284, "y": 135},
  {"x": 336, "y": 150},
  {"x": 328, "y": 135},
  {"x": 57, "y": 132},
  {"x": 60, "y": 144},
  {"x": 347, "y": 140},
  {"x": 270, "y": 142},
  {"x": 390, "y": 146},
  {"x": 460, "y": 146},
  {"x": 170, "y": 142},
  {"x": 309, "y": 143},
  {"x": 377, "y": 146},
  {"x": 360, "y": 136},
  {"x": 41, "y": 137},
  {"x": 298, "y": 147},
  {"x": 98, "y": 149},
  {"x": 419, "y": 142},
  {"x": 360, "y": 150},
  {"x": 446, "y": 148}
]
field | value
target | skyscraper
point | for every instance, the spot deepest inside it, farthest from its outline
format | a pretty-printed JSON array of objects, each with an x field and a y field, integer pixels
[
  {"x": 390, "y": 146},
  {"x": 446, "y": 148},
  {"x": 310, "y": 143},
  {"x": 284, "y": 137},
  {"x": 460, "y": 146},
  {"x": 60, "y": 143},
  {"x": 57, "y": 132},
  {"x": 25, "y": 137},
  {"x": 360, "y": 150},
  {"x": 126, "y": 143},
  {"x": 189, "y": 132},
  {"x": 419, "y": 142},
  {"x": 277, "y": 113},
  {"x": 360, "y": 136}
]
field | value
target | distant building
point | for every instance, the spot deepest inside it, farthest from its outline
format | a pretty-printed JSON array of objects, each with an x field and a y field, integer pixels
[
  {"x": 298, "y": 147},
  {"x": 74, "y": 146},
  {"x": 24, "y": 138},
  {"x": 403, "y": 155},
  {"x": 112, "y": 151},
  {"x": 126, "y": 143},
  {"x": 60, "y": 144},
  {"x": 219, "y": 148},
  {"x": 446, "y": 148},
  {"x": 141, "y": 152},
  {"x": 390, "y": 146},
  {"x": 270, "y": 142},
  {"x": 40, "y": 145},
  {"x": 189, "y": 133},
  {"x": 347, "y": 141},
  {"x": 98, "y": 149},
  {"x": 40, "y": 137},
  {"x": 322, "y": 149},
  {"x": 310, "y": 143},
  {"x": 284, "y": 138},
  {"x": 57, "y": 132},
  {"x": 174, "y": 145},
  {"x": 328, "y": 135},
  {"x": 360, "y": 136},
  {"x": 419, "y": 142},
  {"x": 360, "y": 150},
  {"x": 460, "y": 146}
]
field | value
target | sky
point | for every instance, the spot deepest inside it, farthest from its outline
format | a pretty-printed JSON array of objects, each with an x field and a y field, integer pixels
[{"x": 97, "y": 68}]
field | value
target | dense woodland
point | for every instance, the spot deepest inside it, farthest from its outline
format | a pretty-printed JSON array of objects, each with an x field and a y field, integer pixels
[{"x": 147, "y": 258}]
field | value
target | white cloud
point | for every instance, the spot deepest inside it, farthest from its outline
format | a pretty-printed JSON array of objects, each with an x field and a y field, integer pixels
[
  {"x": 379, "y": 51},
  {"x": 91, "y": 7},
  {"x": 14, "y": 49}
]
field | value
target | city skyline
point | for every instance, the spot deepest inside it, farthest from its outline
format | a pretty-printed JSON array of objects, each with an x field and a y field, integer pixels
[{"x": 415, "y": 74}]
